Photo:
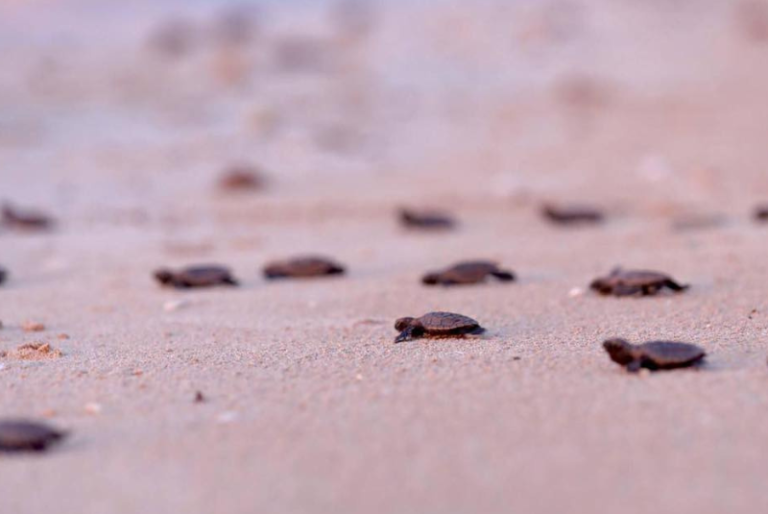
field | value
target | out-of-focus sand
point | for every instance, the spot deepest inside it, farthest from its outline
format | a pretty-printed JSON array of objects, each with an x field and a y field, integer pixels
[{"x": 654, "y": 110}]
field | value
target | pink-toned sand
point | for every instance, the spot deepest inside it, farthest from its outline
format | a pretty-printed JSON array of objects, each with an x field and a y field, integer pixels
[{"x": 655, "y": 111}]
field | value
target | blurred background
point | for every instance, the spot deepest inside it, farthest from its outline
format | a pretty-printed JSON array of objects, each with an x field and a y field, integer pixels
[{"x": 109, "y": 109}]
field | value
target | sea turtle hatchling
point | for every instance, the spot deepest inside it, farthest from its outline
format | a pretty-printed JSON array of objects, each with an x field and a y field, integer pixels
[
  {"x": 653, "y": 355},
  {"x": 241, "y": 177},
  {"x": 571, "y": 215},
  {"x": 468, "y": 272},
  {"x": 14, "y": 218},
  {"x": 196, "y": 276},
  {"x": 303, "y": 267},
  {"x": 23, "y": 435},
  {"x": 436, "y": 324},
  {"x": 430, "y": 220},
  {"x": 622, "y": 282}
]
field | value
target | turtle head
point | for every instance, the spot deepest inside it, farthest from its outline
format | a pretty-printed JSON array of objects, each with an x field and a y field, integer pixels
[
  {"x": 164, "y": 276},
  {"x": 403, "y": 323},
  {"x": 430, "y": 278},
  {"x": 619, "y": 350},
  {"x": 600, "y": 285}
]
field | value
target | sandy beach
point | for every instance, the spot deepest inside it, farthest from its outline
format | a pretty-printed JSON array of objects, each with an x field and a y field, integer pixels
[{"x": 654, "y": 112}]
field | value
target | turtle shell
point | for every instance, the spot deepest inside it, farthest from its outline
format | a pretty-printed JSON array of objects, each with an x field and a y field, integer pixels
[
  {"x": 669, "y": 354},
  {"x": 469, "y": 272},
  {"x": 303, "y": 267},
  {"x": 637, "y": 277},
  {"x": 196, "y": 276},
  {"x": 21, "y": 435},
  {"x": 571, "y": 214},
  {"x": 447, "y": 323}
]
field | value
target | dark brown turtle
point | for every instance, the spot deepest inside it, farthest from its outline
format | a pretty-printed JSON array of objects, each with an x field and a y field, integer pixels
[
  {"x": 241, "y": 177},
  {"x": 195, "y": 276},
  {"x": 25, "y": 219},
  {"x": 236, "y": 25},
  {"x": 303, "y": 267},
  {"x": 653, "y": 355},
  {"x": 426, "y": 219},
  {"x": 635, "y": 283},
  {"x": 436, "y": 324},
  {"x": 761, "y": 213},
  {"x": 174, "y": 38},
  {"x": 303, "y": 54},
  {"x": 353, "y": 19},
  {"x": 571, "y": 215},
  {"x": 468, "y": 272},
  {"x": 29, "y": 436}
]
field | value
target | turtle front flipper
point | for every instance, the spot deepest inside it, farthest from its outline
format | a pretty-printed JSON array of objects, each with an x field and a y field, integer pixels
[
  {"x": 476, "y": 331},
  {"x": 634, "y": 366},
  {"x": 410, "y": 332}
]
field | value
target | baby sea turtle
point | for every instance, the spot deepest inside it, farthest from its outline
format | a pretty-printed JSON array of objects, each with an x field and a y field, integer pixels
[
  {"x": 433, "y": 220},
  {"x": 195, "y": 276},
  {"x": 622, "y": 282},
  {"x": 303, "y": 267},
  {"x": 237, "y": 25},
  {"x": 653, "y": 355},
  {"x": 761, "y": 213},
  {"x": 241, "y": 177},
  {"x": 468, "y": 272},
  {"x": 436, "y": 324},
  {"x": 25, "y": 219},
  {"x": 23, "y": 435},
  {"x": 571, "y": 215},
  {"x": 174, "y": 38}
]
